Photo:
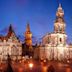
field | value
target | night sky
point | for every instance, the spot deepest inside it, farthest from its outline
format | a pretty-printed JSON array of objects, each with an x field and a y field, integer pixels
[{"x": 40, "y": 14}]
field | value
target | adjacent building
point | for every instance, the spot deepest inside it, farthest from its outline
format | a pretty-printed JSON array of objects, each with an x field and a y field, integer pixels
[{"x": 10, "y": 45}]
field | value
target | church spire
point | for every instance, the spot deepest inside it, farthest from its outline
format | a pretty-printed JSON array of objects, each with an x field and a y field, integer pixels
[
  {"x": 28, "y": 36},
  {"x": 10, "y": 30},
  {"x": 59, "y": 26},
  {"x": 60, "y": 12},
  {"x": 59, "y": 4},
  {"x": 28, "y": 27}
]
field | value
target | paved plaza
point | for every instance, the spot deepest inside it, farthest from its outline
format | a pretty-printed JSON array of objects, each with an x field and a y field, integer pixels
[{"x": 38, "y": 66}]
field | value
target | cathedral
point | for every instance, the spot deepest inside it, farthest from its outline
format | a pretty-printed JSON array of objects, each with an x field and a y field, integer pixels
[{"x": 54, "y": 45}]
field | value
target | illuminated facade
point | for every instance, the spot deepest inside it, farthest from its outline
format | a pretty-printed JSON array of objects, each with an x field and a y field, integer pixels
[
  {"x": 28, "y": 36},
  {"x": 54, "y": 45},
  {"x": 27, "y": 47},
  {"x": 10, "y": 45}
]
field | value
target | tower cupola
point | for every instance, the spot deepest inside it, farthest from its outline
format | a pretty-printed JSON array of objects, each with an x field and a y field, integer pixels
[{"x": 59, "y": 25}]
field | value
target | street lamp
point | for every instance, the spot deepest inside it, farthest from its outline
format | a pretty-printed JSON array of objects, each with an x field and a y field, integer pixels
[{"x": 31, "y": 65}]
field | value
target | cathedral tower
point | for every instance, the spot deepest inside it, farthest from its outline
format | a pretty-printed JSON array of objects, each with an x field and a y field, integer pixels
[
  {"x": 28, "y": 49},
  {"x": 59, "y": 25},
  {"x": 28, "y": 36}
]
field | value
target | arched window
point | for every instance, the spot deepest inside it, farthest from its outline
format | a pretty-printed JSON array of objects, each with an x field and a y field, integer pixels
[{"x": 60, "y": 39}]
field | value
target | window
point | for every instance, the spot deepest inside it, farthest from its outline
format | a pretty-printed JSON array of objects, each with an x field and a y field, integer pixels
[{"x": 60, "y": 40}]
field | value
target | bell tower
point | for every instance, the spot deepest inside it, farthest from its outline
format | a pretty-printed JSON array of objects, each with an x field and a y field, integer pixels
[
  {"x": 28, "y": 36},
  {"x": 59, "y": 25}
]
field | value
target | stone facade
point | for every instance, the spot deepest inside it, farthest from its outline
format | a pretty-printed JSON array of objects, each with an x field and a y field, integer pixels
[
  {"x": 10, "y": 45},
  {"x": 54, "y": 45}
]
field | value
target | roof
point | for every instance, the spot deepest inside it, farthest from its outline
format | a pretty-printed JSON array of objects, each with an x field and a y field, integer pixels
[{"x": 9, "y": 34}]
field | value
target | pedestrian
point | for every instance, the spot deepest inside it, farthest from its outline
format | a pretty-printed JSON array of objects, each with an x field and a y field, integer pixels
[{"x": 51, "y": 69}]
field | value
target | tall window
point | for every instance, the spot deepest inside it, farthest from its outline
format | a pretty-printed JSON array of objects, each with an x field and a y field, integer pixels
[{"x": 60, "y": 39}]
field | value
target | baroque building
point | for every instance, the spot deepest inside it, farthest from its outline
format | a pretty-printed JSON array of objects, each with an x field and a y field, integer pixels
[
  {"x": 54, "y": 45},
  {"x": 10, "y": 45}
]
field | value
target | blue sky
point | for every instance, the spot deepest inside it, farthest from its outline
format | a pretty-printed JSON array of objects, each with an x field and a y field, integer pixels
[{"x": 40, "y": 14}]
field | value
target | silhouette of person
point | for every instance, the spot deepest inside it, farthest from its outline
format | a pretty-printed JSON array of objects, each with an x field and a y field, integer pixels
[
  {"x": 51, "y": 69},
  {"x": 9, "y": 67}
]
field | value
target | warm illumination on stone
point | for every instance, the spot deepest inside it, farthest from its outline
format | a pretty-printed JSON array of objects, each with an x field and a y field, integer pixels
[
  {"x": 54, "y": 45},
  {"x": 28, "y": 36}
]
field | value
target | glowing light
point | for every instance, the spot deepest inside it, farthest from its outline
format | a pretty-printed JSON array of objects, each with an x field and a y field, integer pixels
[
  {"x": 44, "y": 60},
  {"x": 31, "y": 65},
  {"x": 44, "y": 68},
  {"x": 67, "y": 61}
]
